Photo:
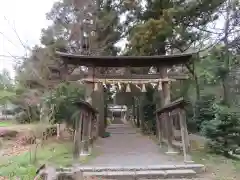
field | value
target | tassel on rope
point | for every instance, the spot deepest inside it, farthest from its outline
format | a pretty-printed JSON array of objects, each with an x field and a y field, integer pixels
[
  {"x": 160, "y": 86},
  {"x": 137, "y": 86},
  {"x": 128, "y": 89},
  {"x": 144, "y": 88},
  {"x": 95, "y": 86},
  {"x": 119, "y": 86}
]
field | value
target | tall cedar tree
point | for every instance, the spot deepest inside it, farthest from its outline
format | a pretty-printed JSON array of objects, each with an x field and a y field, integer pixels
[{"x": 166, "y": 25}]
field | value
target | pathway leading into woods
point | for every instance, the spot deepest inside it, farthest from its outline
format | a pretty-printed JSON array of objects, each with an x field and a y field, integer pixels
[{"x": 127, "y": 147}]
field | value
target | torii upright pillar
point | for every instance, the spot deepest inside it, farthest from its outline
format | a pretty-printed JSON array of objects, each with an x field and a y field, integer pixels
[
  {"x": 167, "y": 121},
  {"x": 97, "y": 100}
]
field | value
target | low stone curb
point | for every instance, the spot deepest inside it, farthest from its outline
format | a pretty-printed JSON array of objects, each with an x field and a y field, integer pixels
[
  {"x": 142, "y": 174},
  {"x": 153, "y": 172},
  {"x": 196, "y": 167}
]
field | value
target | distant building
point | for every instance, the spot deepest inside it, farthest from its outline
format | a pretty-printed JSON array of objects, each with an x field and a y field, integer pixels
[
  {"x": 116, "y": 110},
  {"x": 7, "y": 111}
]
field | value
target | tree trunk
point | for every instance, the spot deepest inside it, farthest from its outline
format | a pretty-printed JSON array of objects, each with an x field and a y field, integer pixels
[
  {"x": 197, "y": 86},
  {"x": 225, "y": 87},
  {"x": 138, "y": 116},
  {"x": 226, "y": 99}
]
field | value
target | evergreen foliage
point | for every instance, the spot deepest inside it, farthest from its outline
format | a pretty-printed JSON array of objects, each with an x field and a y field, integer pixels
[
  {"x": 223, "y": 131},
  {"x": 204, "y": 110}
]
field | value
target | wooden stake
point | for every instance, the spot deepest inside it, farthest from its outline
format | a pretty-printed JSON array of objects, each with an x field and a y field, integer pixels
[
  {"x": 90, "y": 133},
  {"x": 184, "y": 135},
  {"x": 159, "y": 128},
  {"x": 77, "y": 138},
  {"x": 85, "y": 134}
]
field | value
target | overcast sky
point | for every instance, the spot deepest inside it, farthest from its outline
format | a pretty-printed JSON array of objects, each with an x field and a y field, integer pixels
[{"x": 27, "y": 17}]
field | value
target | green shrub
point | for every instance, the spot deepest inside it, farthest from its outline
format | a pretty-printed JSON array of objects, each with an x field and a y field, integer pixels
[
  {"x": 63, "y": 98},
  {"x": 204, "y": 110},
  {"x": 223, "y": 131}
]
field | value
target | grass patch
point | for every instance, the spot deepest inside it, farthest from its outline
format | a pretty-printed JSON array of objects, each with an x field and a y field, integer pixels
[
  {"x": 5, "y": 123},
  {"x": 58, "y": 154},
  {"x": 4, "y": 94},
  {"x": 218, "y": 167}
]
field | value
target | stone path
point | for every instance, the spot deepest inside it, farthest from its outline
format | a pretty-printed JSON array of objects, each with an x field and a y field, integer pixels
[
  {"x": 127, "y": 147},
  {"x": 128, "y": 155}
]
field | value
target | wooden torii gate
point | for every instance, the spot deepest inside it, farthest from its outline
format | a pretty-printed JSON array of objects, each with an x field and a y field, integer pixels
[{"x": 162, "y": 62}]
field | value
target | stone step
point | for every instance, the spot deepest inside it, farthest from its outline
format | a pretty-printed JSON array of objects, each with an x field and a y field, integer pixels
[
  {"x": 150, "y": 174},
  {"x": 122, "y": 132},
  {"x": 195, "y": 167},
  {"x": 119, "y": 125},
  {"x": 122, "y": 127},
  {"x": 119, "y": 131}
]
